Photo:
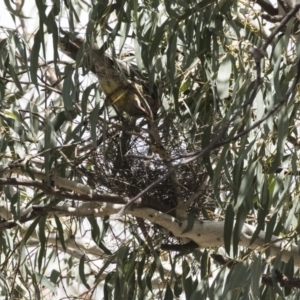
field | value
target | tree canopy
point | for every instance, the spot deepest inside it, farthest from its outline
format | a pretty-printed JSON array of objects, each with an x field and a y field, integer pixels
[{"x": 159, "y": 160}]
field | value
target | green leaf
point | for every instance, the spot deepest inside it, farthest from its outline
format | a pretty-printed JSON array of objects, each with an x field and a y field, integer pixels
[
  {"x": 246, "y": 187},
  {"x": 82, "y": 273},
  {"x": 171, "y": 55},
  {"x": 44, "y": 281},
  {"x": 55, "y": 275},
  {"x": 283, "y": 130},
  {"x": 105, "y": 266},
  {"x": 196, "y": 293},
  {"x": 228, "y": 226},
  {"x": 140, "y": 271},
  {"x": 108, "y": 286},
  {"x": 239, "y": 222},
  {"x": 223, "y": 77},
  {"x": 186, "y": 279},
  {"x": 94, "y": 120},
  {"x": 69, "y": 90},
  {"x": 158, "y": 263},
  {"x": 205, "y": 264},
  {"x": 168, "y": 293},
  {"x": 42, "y": 238},
  {"x": 63, "y": 117},
  {"x": 178, "y": 287},
  {"x": 190, "y": 223},
  {"x": 256, "y": 274},
  {"x": 149, "y": 276},
  {"x": 15, "y": 78},
  {"x": 236, "y": 278},
  {"x": 60, "y": 232},
  {"x": 269, "y": 231},
  {"x": 289, "y": 272},
  {"x": 34, "y": 60},
  {"x": 30, "y": 230}
]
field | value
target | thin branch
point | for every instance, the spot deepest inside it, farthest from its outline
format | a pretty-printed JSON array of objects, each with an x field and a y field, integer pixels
[
  {"x": 267, "y": 7},
  {"x": 222, "y": 260},
  {"x": 45, "y": 86},
  {"x": 190, "y": 246},
  {"x": 282, "y": 24},
  {"x": 52, "y": 191}
]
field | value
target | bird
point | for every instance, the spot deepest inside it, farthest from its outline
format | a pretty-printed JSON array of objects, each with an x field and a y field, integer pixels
[{"x": 124, "y": 86}]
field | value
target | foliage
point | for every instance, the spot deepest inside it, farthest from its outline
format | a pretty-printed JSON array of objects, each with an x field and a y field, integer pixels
[{"x": 94, "y": 196}]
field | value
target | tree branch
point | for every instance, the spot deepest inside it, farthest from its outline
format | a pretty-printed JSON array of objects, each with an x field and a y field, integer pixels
[
  {"x": 205, "y": 234},
  {"x": 267, "y": 7},
  {"x": 49, "y": 190}
]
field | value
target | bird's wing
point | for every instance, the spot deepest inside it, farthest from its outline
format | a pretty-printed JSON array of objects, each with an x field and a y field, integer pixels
[{"x": 118, "y": 80}]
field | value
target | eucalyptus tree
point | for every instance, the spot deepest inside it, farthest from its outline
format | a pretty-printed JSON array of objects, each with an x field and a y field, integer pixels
[{"x": 149, "y": 149}]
